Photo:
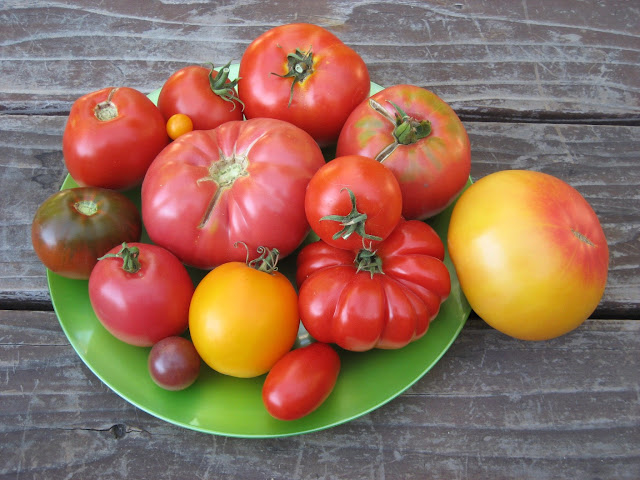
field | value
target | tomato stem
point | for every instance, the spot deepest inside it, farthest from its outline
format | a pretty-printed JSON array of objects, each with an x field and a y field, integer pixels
[
  {"x": 107, "y": 110},
  {"x": 300, "y": 65},
  {"x": 351, "y": 223},
  {"x": 409, "y": 130},
  {"x": 367, "y": 261},
  {"x": 223, "y": 88},
  {"x": 86, "y": 207},
  {"x": 129, "y": 256},
  {"x": 267, "y": 260}
]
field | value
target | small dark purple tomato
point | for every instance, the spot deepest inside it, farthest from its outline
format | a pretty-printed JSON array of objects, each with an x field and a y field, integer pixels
[{"x": 174, "y": 363}]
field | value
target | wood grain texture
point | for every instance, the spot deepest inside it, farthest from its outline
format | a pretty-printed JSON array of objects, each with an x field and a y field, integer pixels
[
  {"x": 32, "y": 168},
  {"x": 493, "y": 407},
  {"x": 564, "y": 61}
]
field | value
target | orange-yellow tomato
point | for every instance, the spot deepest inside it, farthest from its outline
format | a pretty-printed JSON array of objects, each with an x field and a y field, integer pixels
[
  {"x": 529, "y": 252},
  {"x": 243, "y": 320},
  {"x": 178, "y": 124}
]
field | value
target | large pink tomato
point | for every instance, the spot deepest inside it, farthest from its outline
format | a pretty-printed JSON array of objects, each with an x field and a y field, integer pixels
[
  {"x": 530, "y": 253},
  {"x": 244, "y": 181}
]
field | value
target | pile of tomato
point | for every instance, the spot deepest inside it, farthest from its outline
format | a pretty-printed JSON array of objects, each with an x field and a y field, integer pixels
[{"x": 233, "y": 178}]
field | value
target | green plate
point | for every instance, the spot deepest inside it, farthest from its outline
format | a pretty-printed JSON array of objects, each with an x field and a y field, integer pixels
[{"x": 224, "y": 405}]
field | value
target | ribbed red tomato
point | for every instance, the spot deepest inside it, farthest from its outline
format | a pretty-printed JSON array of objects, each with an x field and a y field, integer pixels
[{"x": 373, "y": 299}]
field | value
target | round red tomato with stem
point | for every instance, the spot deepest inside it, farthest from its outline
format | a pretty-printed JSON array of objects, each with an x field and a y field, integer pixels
[
  {"x": 420, "y": 138},
  {"x": 301, "y": 381},
  {"x": 305, "y": 75},
  {"x": 75, "y": 226},
  {"x": 208, "y": 97},
  {"x": 353, "y": 201},
  {"x": 244, "y": 181},
  {"x": 111, "y": 137},
  {"x": 383, "y": 298},
  {"x": 141, "y": 293}
]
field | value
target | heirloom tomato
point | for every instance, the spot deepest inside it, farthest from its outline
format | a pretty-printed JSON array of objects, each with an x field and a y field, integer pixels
[
  {"x": 384, "y": 298},
  {"x": 353, "y": 201},
  {"x": 417, "y": 136},
  {"x": 73, "y": 227},
  {"x": 244, "y": 316},
  {"x": 111, "y": 137},
  {"x": 301, "y": 381},
  {"x": 244, "y": 181},
  {"x": 206, "y": 96},
  {"x": 529, "y": 252},
  {"x": 305, "y": 75},
  {"x": 141, "y": 293},
  {"x": 174, "y": 363}
]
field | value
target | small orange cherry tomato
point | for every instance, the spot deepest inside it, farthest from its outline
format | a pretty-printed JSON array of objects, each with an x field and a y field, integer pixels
[
  {"x": 178, "y": 124},
  {"x": 244, "y": 316}
]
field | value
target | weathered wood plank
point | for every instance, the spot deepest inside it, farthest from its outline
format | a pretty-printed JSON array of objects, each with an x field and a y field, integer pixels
[
  {"x": 493, "y": 407},
  {"x": 31, "y": 169},
  {"x": 494, "y": 60}
]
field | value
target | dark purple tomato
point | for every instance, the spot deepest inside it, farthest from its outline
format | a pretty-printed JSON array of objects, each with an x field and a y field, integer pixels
[
  {"x": 74, "y": 227},
  {"x": 174, "y": 363}
]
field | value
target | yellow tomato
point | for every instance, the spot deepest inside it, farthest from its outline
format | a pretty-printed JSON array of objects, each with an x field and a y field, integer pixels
[
  {"x": 243, "y": 320},
  {"x": 178, "y": 124},
  {"x": 530, "y": 253}
]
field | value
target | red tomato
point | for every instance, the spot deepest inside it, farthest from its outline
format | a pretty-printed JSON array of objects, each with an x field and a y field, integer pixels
[
  {"x": 206, "y": 96},
  {"x": 73, "y": 227},
  {"x": 301, "y": 381},
  {"x": 141, "y": 293},
  {"x": 305, "y": 75},
  {"x": 373, "y": 299},
  {"x": 111, "y": 138},
  {"x": 241, "y": 182},
  {"x": 353, "y": 201},
  {"x": 417, "y": 136}
]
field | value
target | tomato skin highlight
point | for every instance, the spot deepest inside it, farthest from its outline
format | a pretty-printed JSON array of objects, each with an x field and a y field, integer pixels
[
  {"x": 73, "y": 227},
  {"x": 188, "y": 91},
  {"x": 241, "y": 182},
  {"x": 360, "y": 310},
  {"x": 144, "y": 307},
  {"x": 243, "y": 320},
  {"x": 301, "y": 381},
  {"x": 113, "y": 153},
  {"x": 432, "y": 170},
  {"x": 376, "y": 192},
  {"x": 321, "y": 102},
  {"x": 530, "y": 253}
]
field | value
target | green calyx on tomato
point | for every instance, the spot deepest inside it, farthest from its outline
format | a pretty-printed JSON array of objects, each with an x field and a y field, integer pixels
[
  {"x": 409, "y": 130},
  {"x": 222, "y": 88},
  {"x": 107, "y": 110},
  {"x": 300, "y": 64},
  {"x": 129, "y": 256},
  {"x": 367, "y": 261},
  {"x": 267, "y": 260},
  {"x": 351, "y": 223}
]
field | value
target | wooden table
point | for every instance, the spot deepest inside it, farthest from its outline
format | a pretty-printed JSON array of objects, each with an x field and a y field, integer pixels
[{"x": 552, "y": 86}]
